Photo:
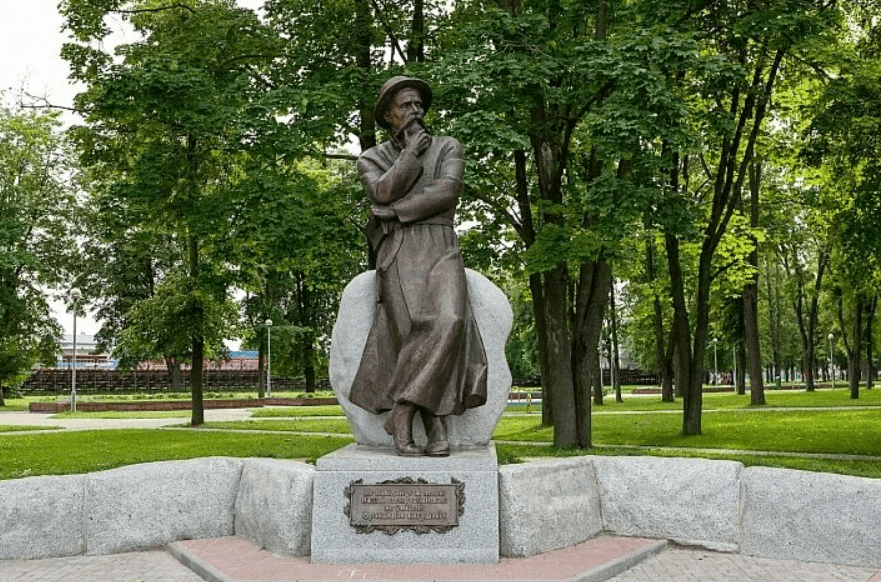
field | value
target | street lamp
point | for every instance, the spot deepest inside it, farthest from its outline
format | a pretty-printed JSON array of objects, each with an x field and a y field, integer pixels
[
  {"x": 715, "y": 361},
  {"x": 269, "y": 358},
  {"x": 832, "y": 360},
  {"x": 75, "y": 295}
]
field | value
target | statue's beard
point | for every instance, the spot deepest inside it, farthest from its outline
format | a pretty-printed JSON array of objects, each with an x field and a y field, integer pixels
[{"x": 397, "y": 135}]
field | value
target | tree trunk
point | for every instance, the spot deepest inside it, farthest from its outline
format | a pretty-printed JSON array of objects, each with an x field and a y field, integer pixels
[
  {"x": 689, "y": 370},
  {"x": 198, "y": 340},
  {"x": 309, "y": 362},
  {"x": 871, "y": 309},
  {"x": 198, "y": 345},
  {"x": 173, "y": 367},
  {"x": 663, "y": 348},
  {"x": 559, "y": 378},
  {"x": 538, "y": 310},
  {"x": 614, "y": 357},
  {"x": 416, "y": 46},
  {"x": 740, "y": 380},
  {"x": 855, "y": 353},
  {"x": 750, "y": 296},
  {"x": 198, "y": 417}
]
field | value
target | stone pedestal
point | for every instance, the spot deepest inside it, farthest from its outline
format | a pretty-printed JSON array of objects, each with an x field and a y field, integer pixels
[{"x": 475, "y": 540}]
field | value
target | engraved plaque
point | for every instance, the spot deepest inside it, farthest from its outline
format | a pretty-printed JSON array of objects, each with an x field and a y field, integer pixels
[{"x": 405, "y": 503}]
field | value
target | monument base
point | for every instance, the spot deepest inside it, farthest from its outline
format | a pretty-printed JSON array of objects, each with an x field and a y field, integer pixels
[{"x": 427, "y": 510}]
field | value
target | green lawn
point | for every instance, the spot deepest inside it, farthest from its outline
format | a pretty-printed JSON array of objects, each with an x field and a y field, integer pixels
[
  {"x": 512, "y": 453},
  {"x": 21, "y": 428},
  {"x": 728, "y": 423},
  {"x": 731, "y": 400},
  {"x": 85, "y": 451},
  {"x": 125, "y": 414},
  {"x": 288, "y": 411},
  {"x": 809, "y": 431},
  {"x": 330, "y": 425}
]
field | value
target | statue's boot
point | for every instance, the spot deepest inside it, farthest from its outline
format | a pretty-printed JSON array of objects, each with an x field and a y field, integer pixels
[
  {"x": 436, "y": 431},
  {"x": 399, "y": 424}
]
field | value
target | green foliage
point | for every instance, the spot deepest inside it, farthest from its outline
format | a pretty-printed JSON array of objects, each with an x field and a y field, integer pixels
[{"x": 35, "y": 237}]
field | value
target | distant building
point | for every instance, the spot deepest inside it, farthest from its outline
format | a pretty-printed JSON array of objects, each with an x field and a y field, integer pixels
[
  {"x": 237, "y": 360},
  {"x": 88, "y": 356},
  {"x": 87, "y": 353}
]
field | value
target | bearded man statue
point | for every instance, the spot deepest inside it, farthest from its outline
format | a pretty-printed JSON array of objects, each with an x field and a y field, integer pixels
[{"x": 424, "y": 353}]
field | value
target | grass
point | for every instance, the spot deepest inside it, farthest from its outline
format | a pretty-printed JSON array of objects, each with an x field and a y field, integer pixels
[
  {"x": 730, "y": 423},
  {"x": 513, "y": 453},
  {"x": 852, "y": 432},
  {"x": 320, "y": 425},
  {"x": 289, "y": 411},
  {"x": 730, "y": 400},
  {"x": 113, "y": 414},
  {"x": 15, "y": 405},
  {"x": 25, "y": 428},
  {"x": 86, "y": 451}
]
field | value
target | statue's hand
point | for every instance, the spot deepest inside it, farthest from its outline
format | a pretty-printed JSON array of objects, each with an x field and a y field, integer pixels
[
  {"x": 417, "y": 140},
  {"x": 383, "y": 212}
]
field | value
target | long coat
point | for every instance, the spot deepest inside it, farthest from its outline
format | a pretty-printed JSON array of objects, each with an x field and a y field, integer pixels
[{"x": 424, "y": 347}]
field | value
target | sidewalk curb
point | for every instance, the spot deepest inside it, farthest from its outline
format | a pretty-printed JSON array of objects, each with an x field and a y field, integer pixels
[
  {"x": 596, "y": 574},
  {"x": 199, "y": 566},
  {"x": 620, "y": 565}
]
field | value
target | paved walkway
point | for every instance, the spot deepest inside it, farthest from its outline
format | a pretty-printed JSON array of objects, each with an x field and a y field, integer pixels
[
  {"x": 702, "y": 566},
  {"x": 572, "y": 564},
  {"x": 39, "y": 419},
  {"x": 155, "y": 566}
]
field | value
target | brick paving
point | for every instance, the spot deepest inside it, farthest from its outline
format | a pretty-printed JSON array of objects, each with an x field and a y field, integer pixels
[
  {"x": 702, "y": 566},
  {"x": 154, "y": 566},
  {"x": 237, "y": 559}
]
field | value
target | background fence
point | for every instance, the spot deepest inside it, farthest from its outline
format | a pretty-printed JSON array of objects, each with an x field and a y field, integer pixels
[{"x": 58, "y": 380}]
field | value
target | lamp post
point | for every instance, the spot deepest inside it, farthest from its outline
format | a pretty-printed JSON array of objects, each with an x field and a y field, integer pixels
[
  {"x": 832, "y": 360},
  {"x": 715, "y": 361},
  {"x": 269, "y": 358},
  {"x": 75, "y": 295}
]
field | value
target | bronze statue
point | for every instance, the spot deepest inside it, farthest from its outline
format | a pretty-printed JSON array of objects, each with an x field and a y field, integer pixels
[{"x": 424, "y": 352}]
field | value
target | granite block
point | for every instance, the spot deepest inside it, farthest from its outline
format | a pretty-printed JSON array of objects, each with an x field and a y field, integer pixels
[
  {"x": 274, "y": 506},
  {"x": 354, "y": 320},
  {"x": 42, "y": 517},
  {"x": 475, "y": 540},
  {"x": 689, "y": 501},
  {"x": 816, "y": 517},
  {"x": 547, "y": 505},
  {"x": 150, "y": 505}
]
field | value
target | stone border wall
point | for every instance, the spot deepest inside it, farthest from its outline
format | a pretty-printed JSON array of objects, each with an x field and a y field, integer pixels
[{"x": 544, "y": 505}]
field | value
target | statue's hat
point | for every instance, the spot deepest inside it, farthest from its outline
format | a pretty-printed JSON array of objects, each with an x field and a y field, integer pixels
[{"x": 391, "y": 88}]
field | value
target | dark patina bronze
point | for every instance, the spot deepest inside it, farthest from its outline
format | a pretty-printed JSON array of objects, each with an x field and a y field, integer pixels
[
  {"x": 404, "y": 504},
  {"x": 424, "y": 353}
]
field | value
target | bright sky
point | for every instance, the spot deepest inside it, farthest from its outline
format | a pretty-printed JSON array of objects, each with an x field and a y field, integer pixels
[{"x": 30, "y": 46}]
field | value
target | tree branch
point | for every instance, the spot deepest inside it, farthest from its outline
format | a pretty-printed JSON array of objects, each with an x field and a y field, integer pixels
[
  {"x": 388, "y": 30},
  {"x": 157, "y": 9}
]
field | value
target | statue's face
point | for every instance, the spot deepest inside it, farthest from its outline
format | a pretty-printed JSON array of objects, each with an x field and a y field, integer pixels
[{"x": 404, "y": 109}]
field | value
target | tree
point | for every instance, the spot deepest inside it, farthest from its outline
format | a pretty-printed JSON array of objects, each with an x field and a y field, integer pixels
[
  {"x": 577, "y": 103},
  {"x": 750, "y": 43},
  {"x": 165, "y": 124},
  {"x": 35, "y": 237},
  {"x": 843, "y": 135}
]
